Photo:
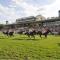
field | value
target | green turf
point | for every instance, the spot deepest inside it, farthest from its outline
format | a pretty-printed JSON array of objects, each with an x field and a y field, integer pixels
[{"x": 20, "y": 47}]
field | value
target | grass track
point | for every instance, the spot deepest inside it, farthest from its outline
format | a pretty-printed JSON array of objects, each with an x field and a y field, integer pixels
[{"x": 21, "y": 47}]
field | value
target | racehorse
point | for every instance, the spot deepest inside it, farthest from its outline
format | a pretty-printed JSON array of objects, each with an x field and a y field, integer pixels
[
  {"x": 8, "y": 33},
  {"x": 30, "y": 34},
  {"x": 5, "y": 32},
  {"x": 45, "y": 33},
  {"x": 11, "y": 33}
]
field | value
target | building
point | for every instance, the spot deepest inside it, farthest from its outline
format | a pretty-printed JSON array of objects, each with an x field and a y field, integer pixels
[
  {"x": 40, "y": 18},
  {"x": 25, "y": 19},
  {"x": 59, "y": 13},
  {"x": 25, "y": 22},
  {"x": 29, "y": 21},
  {"x": 38, "y": 21},
  {"x": 6, "y": 22}
]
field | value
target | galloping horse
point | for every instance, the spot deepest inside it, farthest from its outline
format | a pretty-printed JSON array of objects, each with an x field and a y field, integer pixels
[
  {"x": 8, "y": 32},
  {"x": 5, "y": 32},
  {"x": 31, "y": 33},
  {"x": 44, "y": 32}
]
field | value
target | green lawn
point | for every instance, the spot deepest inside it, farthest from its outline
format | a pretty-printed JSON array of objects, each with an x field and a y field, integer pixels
[{"x": 21, "y": 47}]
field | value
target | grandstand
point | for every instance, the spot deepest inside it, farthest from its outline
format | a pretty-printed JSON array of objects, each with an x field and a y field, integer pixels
[{"x": 38, "y": 21}]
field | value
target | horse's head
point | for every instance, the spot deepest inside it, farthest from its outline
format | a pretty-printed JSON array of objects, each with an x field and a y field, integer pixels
[{"x": 49, "y": 31}]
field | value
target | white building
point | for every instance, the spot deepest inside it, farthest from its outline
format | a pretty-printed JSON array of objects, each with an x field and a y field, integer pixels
[{"x": 40, "y": 18}]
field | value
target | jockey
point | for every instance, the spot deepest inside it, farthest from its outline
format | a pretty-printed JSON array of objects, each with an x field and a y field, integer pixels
[
  {"x": 30, "y": 30},
  {"x": 43, "y": 30}
]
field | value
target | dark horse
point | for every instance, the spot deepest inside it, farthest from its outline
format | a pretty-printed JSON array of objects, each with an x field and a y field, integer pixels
[
  {"x": 5, "y": 33},
  {"x": 11, "y": 33},
  {"x": 45, "y": 33},
  {"x": 8, "y": 33},
  {"x": 31, "y": 34}
]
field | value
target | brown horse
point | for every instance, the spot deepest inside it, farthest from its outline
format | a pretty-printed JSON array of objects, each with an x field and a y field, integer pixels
[{"x": 45, "y": 32}]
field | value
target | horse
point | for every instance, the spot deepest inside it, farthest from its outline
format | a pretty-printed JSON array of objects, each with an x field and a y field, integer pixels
[
  {"x": 45, "y": 33},
  {"x": 5, "y": 32},
  {"x": 11, "y": 33},
  {"x": 31, "y": 34},
  {"x": 8, "y": 33}
]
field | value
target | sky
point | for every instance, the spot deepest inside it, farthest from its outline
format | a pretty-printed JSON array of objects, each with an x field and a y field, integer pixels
[{"x": 10, "y": 10}]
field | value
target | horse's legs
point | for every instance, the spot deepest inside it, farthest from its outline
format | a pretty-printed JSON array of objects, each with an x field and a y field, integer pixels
[
  {"x": 34, "y": 36},
  {"x": 45, "y": 35},
  {"x": 40, "y": 35},
  {"x": 29, "y": 36},
  {"x": 7, "y": 34}
]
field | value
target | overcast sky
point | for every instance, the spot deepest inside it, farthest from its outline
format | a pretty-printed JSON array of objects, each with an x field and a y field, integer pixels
[{"x": 12, "y": 9}]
